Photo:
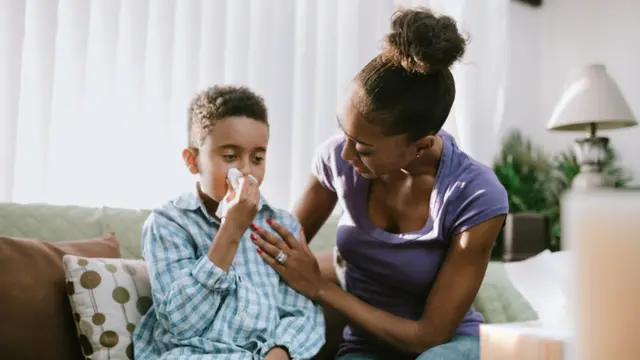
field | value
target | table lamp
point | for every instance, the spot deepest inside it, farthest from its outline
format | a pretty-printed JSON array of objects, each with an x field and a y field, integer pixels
[{"x": 591, "y": 101}]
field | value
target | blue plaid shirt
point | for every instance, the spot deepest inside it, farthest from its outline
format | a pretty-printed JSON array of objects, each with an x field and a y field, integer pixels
[{"x": 202, "y": 312}]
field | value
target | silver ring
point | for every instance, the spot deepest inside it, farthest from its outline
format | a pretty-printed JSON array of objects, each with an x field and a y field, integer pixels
[{"x": 281, "y": 257}]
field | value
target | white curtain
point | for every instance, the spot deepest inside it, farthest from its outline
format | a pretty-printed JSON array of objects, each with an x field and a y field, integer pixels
[{"x": 93, "y": 93}]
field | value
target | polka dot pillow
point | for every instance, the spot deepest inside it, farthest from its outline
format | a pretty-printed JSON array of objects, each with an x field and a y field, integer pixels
[{"x": 108, "y": 297}]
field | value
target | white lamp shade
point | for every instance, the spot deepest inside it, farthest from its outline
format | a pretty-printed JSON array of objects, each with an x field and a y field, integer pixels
[{"x": 591, "y": 97}]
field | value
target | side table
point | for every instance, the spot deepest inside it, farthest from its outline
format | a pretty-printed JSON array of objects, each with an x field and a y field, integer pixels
[{"x": 524, "y": 341}]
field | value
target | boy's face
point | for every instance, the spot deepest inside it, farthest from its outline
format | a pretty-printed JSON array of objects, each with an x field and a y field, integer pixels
[{"x": 234, "y": 142}]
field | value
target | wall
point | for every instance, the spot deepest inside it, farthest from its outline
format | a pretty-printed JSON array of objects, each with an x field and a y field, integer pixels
[{"x": 547, "y": 42}]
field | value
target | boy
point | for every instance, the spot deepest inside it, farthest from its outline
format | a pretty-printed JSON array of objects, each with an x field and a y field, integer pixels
[{"x": 214, "y": 297}]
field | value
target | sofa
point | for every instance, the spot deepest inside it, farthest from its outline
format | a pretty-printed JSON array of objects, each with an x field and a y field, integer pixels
[{"x": 53, "y": 228}]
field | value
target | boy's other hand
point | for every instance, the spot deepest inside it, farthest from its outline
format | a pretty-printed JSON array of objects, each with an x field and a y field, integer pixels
[
  {"x": 241, "y": 214},
  {"x": 277, "y": 353}
]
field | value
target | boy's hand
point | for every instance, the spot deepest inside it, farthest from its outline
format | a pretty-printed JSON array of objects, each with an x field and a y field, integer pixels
[
  {"x": 241, "y": 214},
  {"x": 277, "y": 353}
]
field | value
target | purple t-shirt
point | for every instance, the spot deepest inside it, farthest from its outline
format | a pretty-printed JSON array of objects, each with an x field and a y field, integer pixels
[{"x": 395, "y": 272}]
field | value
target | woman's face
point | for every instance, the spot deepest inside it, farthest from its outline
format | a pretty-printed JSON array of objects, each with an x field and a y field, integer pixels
[
  {"x": 234, "y": 142},
  {"x": 368, "y": 150}
]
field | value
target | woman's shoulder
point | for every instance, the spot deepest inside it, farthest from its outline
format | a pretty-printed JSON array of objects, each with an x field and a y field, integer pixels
[
  {"x": 469, "y": 192},
  {"x": 329, "y": 151},
  {"x": 328, "y": 165},
  {"x": 467, "y": 178}
]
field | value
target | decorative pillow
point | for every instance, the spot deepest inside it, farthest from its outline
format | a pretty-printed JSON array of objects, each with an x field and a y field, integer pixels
[
  {"x": 108, "y": 298},
  {"x": 35, "y": 312}
]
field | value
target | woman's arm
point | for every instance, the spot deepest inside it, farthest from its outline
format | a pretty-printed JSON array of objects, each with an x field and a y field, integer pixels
[
  {"x": 449, "y": 300},
  {"x": 314, "y": 207}
]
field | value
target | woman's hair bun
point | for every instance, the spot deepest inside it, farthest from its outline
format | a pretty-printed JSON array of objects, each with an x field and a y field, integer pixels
[{"x": 423, "y": 41}]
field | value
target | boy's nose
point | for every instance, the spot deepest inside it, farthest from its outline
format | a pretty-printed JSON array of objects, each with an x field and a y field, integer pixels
[{"x": 244, "y": 168}]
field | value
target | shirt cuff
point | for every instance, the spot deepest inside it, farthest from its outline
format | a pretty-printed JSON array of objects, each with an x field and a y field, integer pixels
[
  {"x": 479, "y": 218},
  {"x": 212, "y": 277}
]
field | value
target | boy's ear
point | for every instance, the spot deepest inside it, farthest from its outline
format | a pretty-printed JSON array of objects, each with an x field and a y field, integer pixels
[{"x": 190, "y": 157}]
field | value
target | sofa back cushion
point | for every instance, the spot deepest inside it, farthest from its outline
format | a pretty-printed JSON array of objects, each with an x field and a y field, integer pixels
[{"x": 53, "y": 223}]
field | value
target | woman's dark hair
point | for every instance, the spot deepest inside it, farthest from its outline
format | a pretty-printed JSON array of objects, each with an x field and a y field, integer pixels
[
  {"x": 218, "y": 102},
  {"x": 409, "y": 88}
]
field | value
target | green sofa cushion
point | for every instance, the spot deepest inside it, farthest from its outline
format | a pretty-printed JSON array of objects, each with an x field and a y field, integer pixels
[
  {"x": 499, "y": 301},
  {"x": 53, "y": 223}
]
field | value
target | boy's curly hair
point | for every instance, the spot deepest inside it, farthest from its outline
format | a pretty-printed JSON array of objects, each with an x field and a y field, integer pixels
[{"x": 219, "y": 102}]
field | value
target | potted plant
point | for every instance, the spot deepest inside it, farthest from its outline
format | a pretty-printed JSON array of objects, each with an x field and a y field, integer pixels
[{"x": 524, "y": 170}]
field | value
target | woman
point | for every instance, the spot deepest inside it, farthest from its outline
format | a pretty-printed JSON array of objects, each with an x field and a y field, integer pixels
[{"x": 420, "y": 216}]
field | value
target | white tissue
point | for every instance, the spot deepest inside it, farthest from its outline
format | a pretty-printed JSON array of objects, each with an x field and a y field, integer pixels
[{"x": 235, "y": 179}]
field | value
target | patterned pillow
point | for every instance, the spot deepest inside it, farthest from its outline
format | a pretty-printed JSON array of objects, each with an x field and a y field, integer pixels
[{"x": 108, "y": 297}]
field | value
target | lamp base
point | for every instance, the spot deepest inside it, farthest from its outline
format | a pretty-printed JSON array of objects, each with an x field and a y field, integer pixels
[
  {"x": 591, "y": 153},
  {"x": 590, "y": 180}
]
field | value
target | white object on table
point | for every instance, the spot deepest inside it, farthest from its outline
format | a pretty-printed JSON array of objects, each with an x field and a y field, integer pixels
[
  {"x": 524, "y": 341},
  {"x": 602, "y": 229}
]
